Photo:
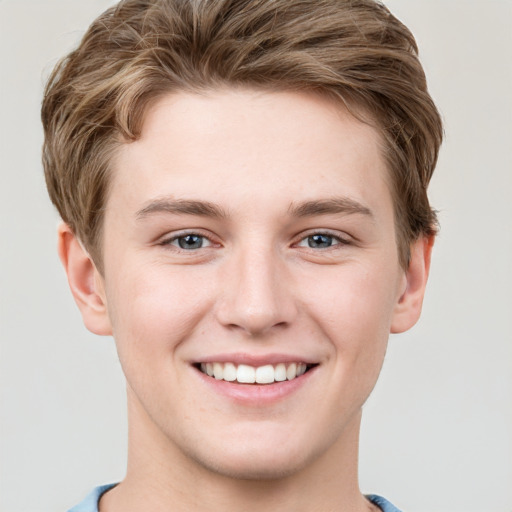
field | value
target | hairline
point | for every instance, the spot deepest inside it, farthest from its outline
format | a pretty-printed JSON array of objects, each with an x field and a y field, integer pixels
[{"x": 359, "y": 112}]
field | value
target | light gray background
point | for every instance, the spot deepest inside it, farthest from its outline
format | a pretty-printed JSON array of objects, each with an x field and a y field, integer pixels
[{"x": 437, "y": 432}]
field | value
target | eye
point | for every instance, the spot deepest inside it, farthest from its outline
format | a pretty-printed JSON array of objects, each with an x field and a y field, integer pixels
[
  {"x": 189, "y": 242},
  {"x": 321, "y": 241}
]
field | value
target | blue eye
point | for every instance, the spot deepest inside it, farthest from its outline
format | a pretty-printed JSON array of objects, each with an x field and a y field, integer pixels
[
  {"x": 190, "y": 242},
  {"x": 320, "y": 241}
]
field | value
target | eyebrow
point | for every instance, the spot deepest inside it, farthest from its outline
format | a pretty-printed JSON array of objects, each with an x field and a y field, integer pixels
[
  {"x": 333, "y": 205},
  {"x": 181, "y": 207}
]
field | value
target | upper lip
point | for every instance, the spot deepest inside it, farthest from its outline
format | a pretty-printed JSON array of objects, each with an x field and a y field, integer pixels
[{"x": 256, "y": 360}]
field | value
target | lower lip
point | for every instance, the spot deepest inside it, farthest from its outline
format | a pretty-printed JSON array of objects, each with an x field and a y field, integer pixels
[{"x": 256, "y": 395}]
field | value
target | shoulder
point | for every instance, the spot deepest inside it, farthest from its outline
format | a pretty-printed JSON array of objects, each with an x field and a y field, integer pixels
[
  {"x": 90, "y": 503},
  {"x": 382, "y": 503}
]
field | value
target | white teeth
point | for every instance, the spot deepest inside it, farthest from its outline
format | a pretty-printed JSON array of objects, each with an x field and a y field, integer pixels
[
  {"x": 246, "y": 374},
  {"x": 218, "y": 371},
  {"x": 230, "y": 372},
  {"x": 291, "y": 371},
  {"x": 265, "y": 374},
  {"x": 280, "y": 372}
]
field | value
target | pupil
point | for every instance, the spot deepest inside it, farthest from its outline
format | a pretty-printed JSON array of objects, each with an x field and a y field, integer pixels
[
  {"x": 190, "y": 242},
  {"x": 320, "y": 241}
]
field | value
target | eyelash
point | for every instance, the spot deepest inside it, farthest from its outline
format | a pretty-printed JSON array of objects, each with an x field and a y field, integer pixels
[
  {"x": 174, "y": 241},
  {"x": 176, "y": 238},
  {"x": 340, "y": 241}
]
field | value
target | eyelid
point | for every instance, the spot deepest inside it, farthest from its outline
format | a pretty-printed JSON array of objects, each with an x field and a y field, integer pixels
[
  {"x": 206, "y": 242},
  {"x": 167, "y": 239},
  {"x": 342, "y": 238}
]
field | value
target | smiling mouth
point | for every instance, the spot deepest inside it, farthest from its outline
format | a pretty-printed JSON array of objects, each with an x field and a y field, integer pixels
[{"x": 245, "y": 374}]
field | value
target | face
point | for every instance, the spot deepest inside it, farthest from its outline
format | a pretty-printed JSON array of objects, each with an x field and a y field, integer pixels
[{"x": 251, "y": 277}]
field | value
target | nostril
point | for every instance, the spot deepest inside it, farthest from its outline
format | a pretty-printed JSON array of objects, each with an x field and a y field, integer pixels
[{"x": 254, "y": 300}]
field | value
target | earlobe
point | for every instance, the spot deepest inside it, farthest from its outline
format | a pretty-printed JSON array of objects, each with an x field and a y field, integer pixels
[
  {"x": 85, "y": 282},
  {"x": 408, "y": 307}
]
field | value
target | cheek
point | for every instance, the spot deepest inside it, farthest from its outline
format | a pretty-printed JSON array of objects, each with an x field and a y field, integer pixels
[
  {"x": 355, "y": 312},
  {"x": 355, "y": 299},
  {"x": 153, "y": 310}
]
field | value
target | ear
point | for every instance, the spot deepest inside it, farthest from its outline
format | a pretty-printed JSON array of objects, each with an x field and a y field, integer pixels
[
  {"x": 408, "y": 308},
  {"x": 85, "y": 282}
]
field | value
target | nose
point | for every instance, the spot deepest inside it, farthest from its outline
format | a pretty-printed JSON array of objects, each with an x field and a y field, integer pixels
[{"x": 256, "y": 294}]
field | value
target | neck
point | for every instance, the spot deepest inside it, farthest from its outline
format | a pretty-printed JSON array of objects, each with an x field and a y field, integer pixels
[{"x": 160, "y": 477}]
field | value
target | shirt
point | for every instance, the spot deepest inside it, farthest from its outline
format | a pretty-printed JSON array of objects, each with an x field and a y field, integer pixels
[{"x": 90, "y": 504}]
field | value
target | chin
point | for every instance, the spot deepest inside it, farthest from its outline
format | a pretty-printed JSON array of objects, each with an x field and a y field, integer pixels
[
  {"x": 266, "y": 450},
  {"x": 255, "y": 459},
  {"x": 256, "y": 468}
]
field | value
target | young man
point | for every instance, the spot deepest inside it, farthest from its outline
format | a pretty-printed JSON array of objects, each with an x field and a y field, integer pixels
[{"x": 243, "y": 189}]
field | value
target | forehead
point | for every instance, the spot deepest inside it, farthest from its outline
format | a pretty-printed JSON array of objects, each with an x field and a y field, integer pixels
[{"x": 238, "y": 146}]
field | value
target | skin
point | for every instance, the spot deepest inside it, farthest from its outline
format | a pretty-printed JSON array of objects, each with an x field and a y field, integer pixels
[{"x": 259, "y": 286}]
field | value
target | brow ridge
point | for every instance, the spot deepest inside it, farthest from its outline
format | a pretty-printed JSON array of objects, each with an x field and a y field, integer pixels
[
  {"x": 181, "y": 207},
  {"x": 335, "y": 205}
]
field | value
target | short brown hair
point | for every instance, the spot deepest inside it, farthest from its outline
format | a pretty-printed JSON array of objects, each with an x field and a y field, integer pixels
[{"x": 139, "y": 50}]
